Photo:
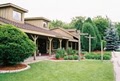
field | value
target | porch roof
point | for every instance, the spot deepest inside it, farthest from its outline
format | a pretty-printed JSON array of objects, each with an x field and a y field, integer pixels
[{"x": 28, "y": 28}]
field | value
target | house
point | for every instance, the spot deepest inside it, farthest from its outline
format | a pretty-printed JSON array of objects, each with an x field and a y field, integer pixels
[{"x": 37, "y": 28}]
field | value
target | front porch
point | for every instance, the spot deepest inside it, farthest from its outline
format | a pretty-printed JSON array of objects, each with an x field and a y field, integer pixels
[{"x": 48, "y": 45}]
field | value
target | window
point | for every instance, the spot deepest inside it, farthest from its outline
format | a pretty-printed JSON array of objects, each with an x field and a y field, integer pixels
[
  {"x": 45, "y": 25},
  {"x": 17, "y": 15}
]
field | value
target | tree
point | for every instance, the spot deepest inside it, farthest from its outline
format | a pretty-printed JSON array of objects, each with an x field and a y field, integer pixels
[
  {"x": 59, "y": 23},
  {"x": 117, "y": 25},
  {"x": 102, "y": 24},
  {"x": 111, "y": 38},
  {"x": 97, "y": 35},
  {"x": 77, "y": 22},
  {"x": 15, "y": 46},
  {"x": 88, "y": 28}
]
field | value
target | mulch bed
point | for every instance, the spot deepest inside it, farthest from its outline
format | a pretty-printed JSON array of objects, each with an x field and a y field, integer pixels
[{"x": 14, "y": 67}]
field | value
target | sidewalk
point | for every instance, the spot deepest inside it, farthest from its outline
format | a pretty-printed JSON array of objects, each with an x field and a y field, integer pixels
[
  {"x": 38, "y": 58},
  {"x": 116, "y": 63}
]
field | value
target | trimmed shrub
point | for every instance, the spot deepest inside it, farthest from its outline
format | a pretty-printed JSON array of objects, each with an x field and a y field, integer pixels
[
  {"x": 97, "y": 56},
  {"x": 61, "y": 52},
  {"x": 75, "y": 57},
  {"x": 57, "y": 56},
  {"x": 69, "y": 51},
  {"x": 70, "y": 57},
  {"x": 15, "y": 46},
  {"x": 65, "y": 57}
]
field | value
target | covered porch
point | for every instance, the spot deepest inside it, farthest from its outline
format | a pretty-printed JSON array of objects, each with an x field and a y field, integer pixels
[{"x": 46, "y": 45}]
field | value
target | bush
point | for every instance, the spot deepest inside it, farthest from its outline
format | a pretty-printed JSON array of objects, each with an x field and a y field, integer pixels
[
  {"x": 69, "y": 51},
  {"x": 57, "y": 56},
  {"x": 75, "y": 57},
  {"x": 97, "y": 56},
  {"x": 65, "y": 57},
  {"x": 61, "y": 52},
  {"x": 15, "y": 46},
  {"x": 70, "y": 57}
]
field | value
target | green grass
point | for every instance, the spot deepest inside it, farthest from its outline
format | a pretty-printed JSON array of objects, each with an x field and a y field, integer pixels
[{"x": 64, "y": 71}]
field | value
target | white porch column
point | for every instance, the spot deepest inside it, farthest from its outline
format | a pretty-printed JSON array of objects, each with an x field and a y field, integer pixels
[
  {"x": 50, "y": 45},
  {"x": 67, "y": 44},
  {"x": 35, "y": 37},
  {"x": 60, "y": 43}
]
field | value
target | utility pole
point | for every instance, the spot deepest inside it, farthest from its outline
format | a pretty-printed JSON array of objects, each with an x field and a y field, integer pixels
[
  {"x": 79, "y": 42},
  {"x": 89, "y": 37}
]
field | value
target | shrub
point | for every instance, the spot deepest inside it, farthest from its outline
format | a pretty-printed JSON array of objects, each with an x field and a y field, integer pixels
[
  {"x": 70, "y": 57},
  {"x": 75, "y": 57},
  {"x": 69, "y": 51},
  {"x": 57, "y": 56},
  {"x": 61, "y": 52},
  {"x": 15, "y": 46},
  {"x": 97, "y": 56},
  {"x": 65, "y": 57}
]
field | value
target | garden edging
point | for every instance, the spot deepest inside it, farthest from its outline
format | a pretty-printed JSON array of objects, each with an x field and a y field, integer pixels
[{"x": 13, "y": 71}]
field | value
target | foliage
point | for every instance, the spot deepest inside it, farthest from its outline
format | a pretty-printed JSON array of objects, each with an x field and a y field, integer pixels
[
  {"x": 97, "y": 56},
  {"x": 57, "y": 56},
  {"x": 111, "y": 38},
  {"x": 97, "y": 35},
  {"x": 102, "y": 24},
  {"x": 59, "y": 23},
  {"x": 77, "y": 22},
  {"x": 70, "y": 57},
  {"x": 60, "y": 52},
  {"x": 15, "y": 46},
  {"x": 75, "y": 57},
  {"x": 65, "y": 57},
  {"x": 117, "y": 25},
  {"x": 88, "y": 28}
]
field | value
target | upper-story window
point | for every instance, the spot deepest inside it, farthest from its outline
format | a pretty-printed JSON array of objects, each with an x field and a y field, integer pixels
[
  {"x": 44, "y": 24},
  {"x": 17, "y": 15}
]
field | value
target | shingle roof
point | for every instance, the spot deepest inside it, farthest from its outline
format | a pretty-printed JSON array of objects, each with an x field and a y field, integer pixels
[{"x": 27, "y": 26}]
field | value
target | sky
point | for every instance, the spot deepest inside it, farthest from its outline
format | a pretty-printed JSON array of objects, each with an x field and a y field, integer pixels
[{"x": 65, "y": 10}]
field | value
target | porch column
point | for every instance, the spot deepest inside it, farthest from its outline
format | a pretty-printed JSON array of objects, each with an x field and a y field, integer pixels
[
  {"x": 35, "y": 37},
  {"x": 60, "y": 43},
  {"x": 50, "y": 45},
  {"x": 67, "y": 44}
]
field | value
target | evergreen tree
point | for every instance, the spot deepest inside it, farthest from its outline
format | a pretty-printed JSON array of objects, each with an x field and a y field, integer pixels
[
  {"x": 97, "y": 35},
  {"x": 111, "y": 38},
  {"x": 88, "y": 28}
]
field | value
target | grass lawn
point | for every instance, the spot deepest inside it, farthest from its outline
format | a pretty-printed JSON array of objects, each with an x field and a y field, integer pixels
[{"x": 64, "y": 71}]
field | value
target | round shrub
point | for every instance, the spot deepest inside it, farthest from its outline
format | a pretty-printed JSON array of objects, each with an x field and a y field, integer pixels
[
  {"x": 65, "y": 57},
  {"x": 70, "y": 57},
  {"x": 75, "y": 57},
  {"x": 57, "y": 56},
  {"x": 15, "y": 46}
]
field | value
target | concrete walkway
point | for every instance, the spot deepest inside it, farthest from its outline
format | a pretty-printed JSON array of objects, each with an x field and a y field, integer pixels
[
  {"x": 38, "y": 58},
  {"x": 116, "y": 63}
]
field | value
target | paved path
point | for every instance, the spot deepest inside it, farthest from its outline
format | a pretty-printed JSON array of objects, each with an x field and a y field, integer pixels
[
  {"x": 116, "y": 63},
  {"x": 38, "y": 58}
]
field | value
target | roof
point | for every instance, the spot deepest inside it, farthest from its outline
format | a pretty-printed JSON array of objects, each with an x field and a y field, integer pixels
[
  {"x": 37, "y": 18},
  {"x": 28, "y": 28},
  {"x": 12, "y": 5},
  {"x": 69, "y": 38},
  {"x": 65, "y": 31}
]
